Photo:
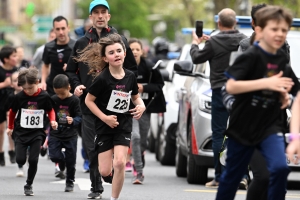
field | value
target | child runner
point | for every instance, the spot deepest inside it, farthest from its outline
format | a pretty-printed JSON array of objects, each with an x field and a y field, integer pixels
[
  {"x": 31, "y": 104},
  {"x": 109, "y": 99},
  {"x": 8, "y": 56},
  {"x": 256, "y": 79},
  {"x": 149, "y": 82},
  {"x": 10, "y": 99},
  {"x": 68, "y": 116}
]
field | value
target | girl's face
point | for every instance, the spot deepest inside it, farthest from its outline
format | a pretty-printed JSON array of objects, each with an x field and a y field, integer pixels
[
  {"x": 137, "y": 51},
  {"x": 114, "y": 55},
  {"x": 14, "y": 82},
  {"x": 30, "y": 89}
]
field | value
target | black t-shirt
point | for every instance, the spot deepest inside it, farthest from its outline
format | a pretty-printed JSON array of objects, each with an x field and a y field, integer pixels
[
  {"x": 5, "y": 92},
  {"x": 255, "y": 115},
  {"x": 102, "y": 88},
  {"x": 56, "y": 55},
  {"x": 32, "y": 116},
  {"x": 67, "y": 107}
]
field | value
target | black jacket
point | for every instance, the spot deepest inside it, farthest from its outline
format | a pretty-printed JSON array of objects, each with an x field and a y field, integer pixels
[
  {"x": 217, "y": 51},
  {"x": 78, "y": 71},
  {"x": 152, "y": 83}
]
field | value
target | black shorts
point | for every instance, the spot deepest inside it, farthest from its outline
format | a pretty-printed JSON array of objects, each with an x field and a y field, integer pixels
[
  {"x": 2, "y": 115},
  {"x": 105, "y": 142}
]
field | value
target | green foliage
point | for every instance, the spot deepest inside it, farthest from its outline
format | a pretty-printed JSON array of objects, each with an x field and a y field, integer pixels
[{"x": 293, "y": 5}]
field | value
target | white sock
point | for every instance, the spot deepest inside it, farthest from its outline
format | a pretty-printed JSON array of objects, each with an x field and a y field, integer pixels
[{"x": 111, "y": 198}]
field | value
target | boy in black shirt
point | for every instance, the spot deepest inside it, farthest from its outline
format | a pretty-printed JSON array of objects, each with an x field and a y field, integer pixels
[
  {"x": 256, "y": 79},
  {"x": 68, "y": 116}
]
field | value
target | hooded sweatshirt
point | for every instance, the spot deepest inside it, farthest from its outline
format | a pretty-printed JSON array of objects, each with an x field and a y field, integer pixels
[
  {"x": 78, "y": 71},
  {"x": 217, "y": 51}
]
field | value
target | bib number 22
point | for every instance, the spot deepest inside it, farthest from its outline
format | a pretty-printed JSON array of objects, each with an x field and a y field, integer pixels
[{"x": 122, "y": 106}]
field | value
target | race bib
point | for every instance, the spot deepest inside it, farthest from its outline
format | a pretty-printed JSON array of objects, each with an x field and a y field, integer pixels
[
  {"x": 144, "y": 95},
  {"x": 32, "y": 118},
  {"x": 119, "y": 101}
]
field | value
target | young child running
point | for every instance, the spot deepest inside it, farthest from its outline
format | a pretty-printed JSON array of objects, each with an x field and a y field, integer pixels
[
  {"x": 31, "y": 104},
  {"x": 8, "y": 56},
  {"x": 109, "y": 99},
  {"x": 149, "y": 81},
  {"x": 10, "y": 100},
  {"x": 256, "y": 79},
  {"x": 68, "y": 116}
]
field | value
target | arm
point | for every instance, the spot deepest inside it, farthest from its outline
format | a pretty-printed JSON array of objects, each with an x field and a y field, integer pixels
[
  {"x": 76, "y": 120},
  {"x": 11, "y": 119},
  {"x": 156, "y": 83},
  {"x": 110, "y": 120},
  {"x": 201, "y": 55},
  {"x": 51, "y": 116},
  {"x": 139, "y": 106},
  {"x": 45, "y": 72},
  {"x": 275, "y": 83},
  {"x": 6, "y": 83}
]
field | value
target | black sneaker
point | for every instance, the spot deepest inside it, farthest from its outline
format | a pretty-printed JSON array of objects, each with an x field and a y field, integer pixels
[
  {"x": 243, "y": 184},
  {"x": 2, "y": 159},
  {"x": 28, "y": 190},
  {"x": 60, "y": 174},
  {"x": 94, "y": 195},
  {"x": 12, "y": 156},
  {"x": 138, "y": 179},
  {"x": 109, "y": 178},
  {"x": 69, "y": 187}
]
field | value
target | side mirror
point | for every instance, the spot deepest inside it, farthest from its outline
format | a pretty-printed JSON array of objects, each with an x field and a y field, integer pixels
[{"x": 185, "y": 67}]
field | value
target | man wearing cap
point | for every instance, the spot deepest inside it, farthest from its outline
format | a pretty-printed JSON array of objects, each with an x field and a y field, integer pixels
[{"x": 81, "y": 81}]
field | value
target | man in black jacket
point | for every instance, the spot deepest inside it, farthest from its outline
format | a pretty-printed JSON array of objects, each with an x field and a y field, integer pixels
[
  {"x": 217, "y": 50},
  {"x": 81, "y": 81}
]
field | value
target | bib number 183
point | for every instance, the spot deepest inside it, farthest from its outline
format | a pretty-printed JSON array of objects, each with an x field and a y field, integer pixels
[{"x": 32, "y": 118}]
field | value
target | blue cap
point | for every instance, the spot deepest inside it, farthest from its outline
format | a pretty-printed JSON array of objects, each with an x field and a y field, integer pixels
[{"x": 95, "y": 3}]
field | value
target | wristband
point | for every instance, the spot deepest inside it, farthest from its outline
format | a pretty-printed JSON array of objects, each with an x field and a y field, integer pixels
[{"x": 294, "y": 136}]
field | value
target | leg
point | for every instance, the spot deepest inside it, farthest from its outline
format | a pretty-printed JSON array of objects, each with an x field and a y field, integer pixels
[
  {"x": 55, "y": 147},
  {"x": 88, "y": 136},
  {"x": 119, "y": 161},
  {"x": 238, "y": 157},
  {"x": 33, "y": 159},
  {"x": 144, "y": 122},
  {"x": 21, "y": 153},
  {"x": 70, "y": 158},
  {"x": 136, "y": 146},
  {"x": 273, "y": 150},
  {"x": 219, "y": 117},
  {"x": 2, "y": 127},
  {"x": 258, "y": 189}
]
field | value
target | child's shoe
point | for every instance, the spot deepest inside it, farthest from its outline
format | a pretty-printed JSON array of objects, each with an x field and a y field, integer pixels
[{"x": 28, "y": 190}]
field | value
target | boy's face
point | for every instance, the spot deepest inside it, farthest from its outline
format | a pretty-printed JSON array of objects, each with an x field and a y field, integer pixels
[
  {"x": 30, "y": 89},
  {"x": 273, "y": 36},
  {"x": 12, "y": 60},
  {"x": 62, "y": 93},
  {"x": 14, "y": 82}
]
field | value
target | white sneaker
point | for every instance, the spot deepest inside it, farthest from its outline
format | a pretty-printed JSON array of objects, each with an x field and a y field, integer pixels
[{"x": 20, "y": 172}]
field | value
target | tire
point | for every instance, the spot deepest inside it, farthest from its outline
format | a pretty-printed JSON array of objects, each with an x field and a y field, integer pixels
[
  {"x": 167, "y": 147},
  {"x": 195, "y": 174},
  {"x": 151, "y": 142},
  {"x": 180, "y": 163}
]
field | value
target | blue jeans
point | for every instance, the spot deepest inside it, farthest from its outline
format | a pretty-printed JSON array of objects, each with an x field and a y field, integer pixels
[
  {"x": 238, "y": 157},
  {"x": 219, "y": 117}
]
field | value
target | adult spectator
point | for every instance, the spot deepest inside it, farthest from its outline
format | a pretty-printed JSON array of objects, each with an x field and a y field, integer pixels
[
  {"x": 80, "y": 31},
  {"x": 81, "y": 81},
  {"x": 56, "y": 53},
  {"x": 217, "y": 51},
  {"x": 21, "y": 61},
  {"x": 37, "y": 60}
]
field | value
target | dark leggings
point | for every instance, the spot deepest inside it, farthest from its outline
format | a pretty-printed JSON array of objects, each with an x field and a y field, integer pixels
[
  {"x": 34, "y": 152},
  {"x": 258, "y": 189}
]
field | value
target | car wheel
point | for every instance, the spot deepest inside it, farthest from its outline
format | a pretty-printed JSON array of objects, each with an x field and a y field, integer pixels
[
  {"x": 151, "y": 142},
  {"x": 195, "y": 174},
  {"x": 167, "y": 146},
  {"x": 180, "y": 163}
]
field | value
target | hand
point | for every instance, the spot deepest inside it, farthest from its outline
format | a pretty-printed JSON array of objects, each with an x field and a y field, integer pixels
[
  {"x": 292, "y": 149},
  {"x": 78, "y": 90},
  {"x": 65, "y": 67},
  {"x": 9, "y": 131},
  {"x": 43, "y": 86},
  {"x": 278, "y": 83},
  {"x": 111, "y": 121},
  {"x": 197, "y": 40},
  {"x": 54, "y": 125},
  {"x": 69, "y": 119},
  {"x": 284, "y": 99},
  {"x": 141, "y": 88},
  {"x": 138, "y": 111}
]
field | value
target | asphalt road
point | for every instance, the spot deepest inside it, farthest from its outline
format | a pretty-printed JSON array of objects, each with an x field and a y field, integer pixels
[{"x": 160, "y": 183}]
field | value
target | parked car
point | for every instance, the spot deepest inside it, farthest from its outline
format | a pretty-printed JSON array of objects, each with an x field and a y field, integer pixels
[{"x": 194, "y": 153}]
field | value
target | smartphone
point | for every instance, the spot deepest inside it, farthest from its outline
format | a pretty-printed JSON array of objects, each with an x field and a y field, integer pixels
[{"x": 199, "y": 28}]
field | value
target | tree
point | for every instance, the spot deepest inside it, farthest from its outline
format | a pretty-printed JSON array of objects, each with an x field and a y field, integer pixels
[{"x": 293, "y": 5}]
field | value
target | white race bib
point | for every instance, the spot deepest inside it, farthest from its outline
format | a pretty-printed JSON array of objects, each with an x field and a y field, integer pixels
[
  {"x": 32, "y": 118},
  {"x": 119, "y": 101}
]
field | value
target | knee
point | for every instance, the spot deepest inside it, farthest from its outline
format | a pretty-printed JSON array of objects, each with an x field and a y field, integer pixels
[
  {"x": 119, "y": 164},
  {"x": 135, "y": 139},
  {"x": 33, "y": 161},
  {"x": 104, "y": 171},
  {"x": 280, "y": 169},
  {"x": 20, "y": 161}
]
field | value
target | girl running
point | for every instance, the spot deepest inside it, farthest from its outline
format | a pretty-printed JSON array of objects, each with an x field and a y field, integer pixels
[
  {"x": 32, "y": 104},
  {"x": 109, "y": 99}
]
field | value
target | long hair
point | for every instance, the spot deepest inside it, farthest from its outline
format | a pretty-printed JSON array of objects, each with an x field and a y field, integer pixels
[{"x": 93, "y": 54}]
